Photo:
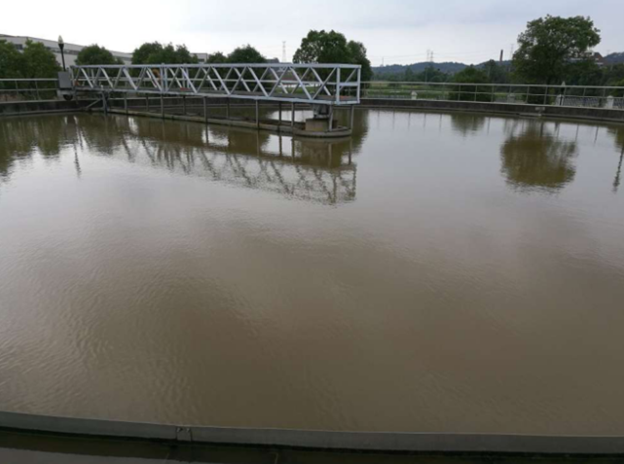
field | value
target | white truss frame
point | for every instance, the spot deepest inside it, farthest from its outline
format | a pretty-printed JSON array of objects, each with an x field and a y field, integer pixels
[{"x": 322, "y": 84}]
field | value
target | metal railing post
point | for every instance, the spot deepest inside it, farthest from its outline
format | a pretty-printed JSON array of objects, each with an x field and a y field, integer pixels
[
  {"x": 257, "y": 114},
  {"x": 338, "y": 85},
  {"x": 352, "y": 117}
]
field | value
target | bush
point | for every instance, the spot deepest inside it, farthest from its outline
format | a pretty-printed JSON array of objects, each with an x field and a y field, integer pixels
[{"x": 471, "y": 75}]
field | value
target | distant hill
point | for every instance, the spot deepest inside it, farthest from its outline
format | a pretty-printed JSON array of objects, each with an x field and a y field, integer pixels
[
  {"x": 448, "y": 67},
  {"x": 452, "y": 67},
  {"x": 614, "y": 58}
]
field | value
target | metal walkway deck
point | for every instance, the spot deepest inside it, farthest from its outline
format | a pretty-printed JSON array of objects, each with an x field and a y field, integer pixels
[{"x": 318, "y": 84}]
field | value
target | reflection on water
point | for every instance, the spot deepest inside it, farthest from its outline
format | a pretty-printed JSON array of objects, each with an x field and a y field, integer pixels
[
  {"x": 618, "y": 175},
  {"x": 19, "y": 137},
  {"x": 533, "y": 158},
  {"x": 468, "y": 124},
  {"x": 618, "y": 133},
  {"x": 315, "y": 170},
  {"x": 321, "y": 171},
  {"x": 435, "y": 273}
]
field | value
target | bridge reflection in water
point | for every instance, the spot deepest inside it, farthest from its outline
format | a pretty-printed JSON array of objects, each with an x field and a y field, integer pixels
[{"x": 320, "y": 171}]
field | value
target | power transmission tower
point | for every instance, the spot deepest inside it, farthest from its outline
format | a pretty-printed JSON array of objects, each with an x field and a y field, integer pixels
[{"x": 284, "y": 51}]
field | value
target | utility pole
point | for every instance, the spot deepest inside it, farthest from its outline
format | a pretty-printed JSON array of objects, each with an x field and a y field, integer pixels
[
  {"x": 429, "y": 64},
  {"x": 502, "y": 56}
]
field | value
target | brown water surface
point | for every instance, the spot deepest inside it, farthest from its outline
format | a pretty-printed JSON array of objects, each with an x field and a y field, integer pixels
[{"x": 436, "y": 273}]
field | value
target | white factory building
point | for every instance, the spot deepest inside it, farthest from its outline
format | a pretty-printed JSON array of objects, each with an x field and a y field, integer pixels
[{"x": 70, "y": 50}]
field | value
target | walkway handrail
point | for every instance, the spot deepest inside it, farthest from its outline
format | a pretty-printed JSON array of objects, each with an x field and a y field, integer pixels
[
  {"x": 588, "y": 96},
  {"x": 324, "y": 84},
  {"x": 490, "y": 84},
  {"x": 18, "y": 89}
]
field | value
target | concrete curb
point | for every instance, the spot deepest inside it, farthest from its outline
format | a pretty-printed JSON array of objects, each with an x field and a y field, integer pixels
[{"x": 319, "y": 440}]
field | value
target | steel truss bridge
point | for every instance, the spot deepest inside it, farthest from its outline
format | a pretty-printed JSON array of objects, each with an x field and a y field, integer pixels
[{"x": 317, "y": 84}]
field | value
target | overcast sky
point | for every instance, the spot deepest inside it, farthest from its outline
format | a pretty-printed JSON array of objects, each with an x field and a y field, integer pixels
[{"x": 397, "y": 31}]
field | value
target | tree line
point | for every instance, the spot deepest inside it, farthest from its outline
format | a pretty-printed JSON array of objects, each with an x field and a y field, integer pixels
[
  {"x": 35, "y": 61},
  {"x": 552, "y": 51},
  {"x": 317, "y": 47}
]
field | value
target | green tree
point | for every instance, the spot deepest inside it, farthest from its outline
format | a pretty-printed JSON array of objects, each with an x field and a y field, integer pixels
[
  {"x": 216, "y": 58},
  {"x": 323, "y": 47},
  {"x": 94, "y": 54},
  {"x": 39, "y": 61},
  {"x": 332, "y": 47},
  {"x": 584, "y": 72},
  {"x": 431, "y": 74},
  {"x": 142, "y": 54},
  {"x": 11, "y": 61},
  {"x": 496, "y": 73},
  {"x": 245, "y": 54},
  {"x": 471, "y": 75},
  {"x": 619, "y": 93},
  {"x": 357, "y": 52},
  {"x": 549, "y": 45},
  {"x": 157, "y": 53},
  {"x": 613, "y": 75}
]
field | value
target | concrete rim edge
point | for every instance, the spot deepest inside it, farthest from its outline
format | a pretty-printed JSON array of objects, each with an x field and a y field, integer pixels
[{"x": 318, "y": 440}]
